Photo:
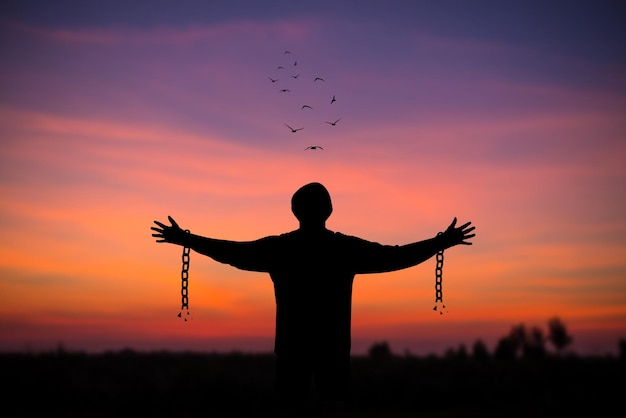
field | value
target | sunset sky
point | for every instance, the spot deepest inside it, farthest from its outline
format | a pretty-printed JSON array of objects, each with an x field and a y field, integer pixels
[{"x": 114, "y": 114}]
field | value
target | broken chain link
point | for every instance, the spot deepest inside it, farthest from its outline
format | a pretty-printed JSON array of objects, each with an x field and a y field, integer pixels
[
  {"x": 439, "y": 282},
  {"x": 184, "y": 279}
]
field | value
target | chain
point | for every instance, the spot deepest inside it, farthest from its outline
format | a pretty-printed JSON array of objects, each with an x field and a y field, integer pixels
[
  {"x": 438, "y": 281},
  {"x": 184, "y": 278}
]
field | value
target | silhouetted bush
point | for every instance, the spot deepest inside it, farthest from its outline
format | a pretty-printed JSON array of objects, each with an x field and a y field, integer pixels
[{"x": 380, "y": 351}]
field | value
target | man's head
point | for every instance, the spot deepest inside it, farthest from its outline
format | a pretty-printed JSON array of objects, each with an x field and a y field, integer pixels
[{"x": 311, "y": 204}]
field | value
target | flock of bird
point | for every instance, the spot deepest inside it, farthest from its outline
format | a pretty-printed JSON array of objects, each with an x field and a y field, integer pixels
[{"x": 304, "y": 107}]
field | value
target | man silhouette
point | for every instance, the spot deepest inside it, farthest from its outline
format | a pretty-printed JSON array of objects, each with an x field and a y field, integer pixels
[{"x": 312, "y": 269}]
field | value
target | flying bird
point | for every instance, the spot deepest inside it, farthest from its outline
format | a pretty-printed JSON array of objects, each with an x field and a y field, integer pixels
[
  {"x": 313, "y": 147},
  {"x": 296, "y": 76},
  {"x": 280, "y": 67},
  {"x": 284, "y": 90},
  {"x": 273, "y": 80},
  {"x": 306, "y": 106},
  {"x": 293, "y": 130},
  {"x": 318, "y": 78},
  {"x": 287, "y": 52},
  {"x": 334, "y": 123},
  {"x": 333, "y": 100}
]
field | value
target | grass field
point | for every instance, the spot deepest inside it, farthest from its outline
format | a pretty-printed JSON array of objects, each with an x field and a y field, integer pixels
[{"x": 162, "y": 384}]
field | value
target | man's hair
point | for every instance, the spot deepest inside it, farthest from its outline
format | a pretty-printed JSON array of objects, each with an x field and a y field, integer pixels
[{"x": 311, "y": 202}]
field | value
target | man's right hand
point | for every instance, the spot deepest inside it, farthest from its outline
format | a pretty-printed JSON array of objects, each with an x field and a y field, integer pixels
[{"x": 172, "y": 234}]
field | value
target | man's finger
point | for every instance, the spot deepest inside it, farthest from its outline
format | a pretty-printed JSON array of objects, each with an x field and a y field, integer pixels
[{"x": 465, "y": 225}]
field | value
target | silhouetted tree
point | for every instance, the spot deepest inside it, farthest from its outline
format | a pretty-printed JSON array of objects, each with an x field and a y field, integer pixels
[
  {"x": 506, "y": 349},
  {"x": 534, "y": 344},
  {"x": 461, "y": 352},
  {"x": 557, "y": 334},
  {"x": 479, "y": 351},
  {"x": 517, "y": 339},
  {"x": 526, "y": 343},
  {"x": 621, "y": 346}
]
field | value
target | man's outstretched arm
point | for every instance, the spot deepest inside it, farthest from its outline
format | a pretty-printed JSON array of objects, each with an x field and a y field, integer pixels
[
  {"x": 421, "y": 251},
  {"x": 246, "y": 255},
  {"x": 390, "y": 258}
]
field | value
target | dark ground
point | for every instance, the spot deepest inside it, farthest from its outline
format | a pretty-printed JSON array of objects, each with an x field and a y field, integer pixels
[{"x": 187, "y": 385}]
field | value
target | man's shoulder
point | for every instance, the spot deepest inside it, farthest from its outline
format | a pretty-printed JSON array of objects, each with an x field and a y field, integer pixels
[
  {"x": 326, "y": 234},
  {"x": 299, "y": 234},
  {"x": 348, "y": 237},
  {"x": 286, "y": 234}
]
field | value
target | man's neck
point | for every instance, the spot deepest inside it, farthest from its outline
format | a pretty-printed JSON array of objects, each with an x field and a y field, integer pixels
[{"x": 312, "y": 226}]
